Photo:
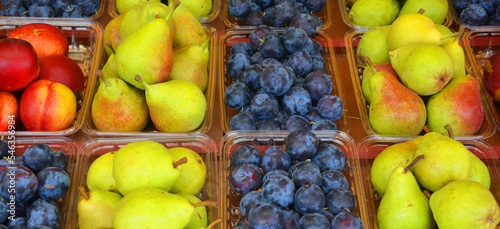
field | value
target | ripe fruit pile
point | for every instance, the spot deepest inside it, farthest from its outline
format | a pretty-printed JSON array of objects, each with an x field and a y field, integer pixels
[
  {"x": 302, "y": 186},
  {"x": 415, "y": 60},
  {"x": 159, "y": 188},
  {"x": 36, "y": 67},
  {"x": 280, "y": 83},
  {"x": 458, "y": 180},
  {"x": 478, "y": 12},
  {"x": 373, "y": 13},
  {"x": 39, "y": 177},
  {"x": 50, "y": 8},
  {"x": 276, "y": 13}
]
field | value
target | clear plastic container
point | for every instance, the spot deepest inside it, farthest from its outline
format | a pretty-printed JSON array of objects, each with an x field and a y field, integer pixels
[
  {"x": 456, "y": 18},
  {"x": 232, "y": 37},
  {"x": 113, "y": 11},
  {"x": 326, "y": 16},
  {"x": 344, "y": 11},
  {"x": 90, "y": 129},
  {"x": 371, "y": 146},
  {"x": 480, "y": 45},
  {"x": 351, "y": 40},
  {"x": 201, "y": 144},
  {"x": 85, "y": 48},
  {"x": 69, "y": 147},
  {"x": 95, "y": 16},
  {"x": 263, "y": 141}
]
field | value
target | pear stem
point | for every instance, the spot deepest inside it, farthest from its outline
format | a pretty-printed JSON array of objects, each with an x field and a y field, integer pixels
[
  {"x": 418, "y": 158},
  {"x": 206, "y": 203},
  {"x": 101, "y": 76},
  {"x": 427, "y": 193},
  {"x": 454, "y": 35},
  {"x": 370, "y": 64},
  {"x": 426, "y": 129},
  {"x": 180, "y": 162},
  {"x": 138, "y": 78},
  {"x": 84, "y": 192},
  {"x": 174, "y": 6},
  {"x": 421, "y": 11},
  {"x": 209, "y": 35},
  {"x": 217, "y": 221},
  {"x": 450, "y": 131}
]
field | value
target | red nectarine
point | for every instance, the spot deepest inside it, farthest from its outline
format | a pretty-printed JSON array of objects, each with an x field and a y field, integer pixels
[
  {"x": 47, "y": 106},
  {"x": 9, "y": 110},
  {"x": 18, "y": 64},
  {"x": 46, "y": 39},
  {"x": 62, "y": 69}
]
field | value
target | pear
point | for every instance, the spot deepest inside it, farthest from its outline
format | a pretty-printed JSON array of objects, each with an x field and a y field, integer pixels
[
  {"x": 371, "y": 13},
  {"x": 125, "y": 5},
  {"x": 394, "y": 109},
  {"x": 141, "y": 14},
  {"x": 445, "y": 160},
  {"x": 414, "y": 28},
  {"x": 118, "y": 106},
  {"x": 445, "y": 31},
  {"x": 374, "y": 45},
  {"x": 464, "y": 204},
  {"x": 100, "y": 174},
  {"x": 188, "y": 29},
  {"x": 109, "y": 68},
  {"x": 404, "y": 205},
  {"x": 147, "y": 52},
  {"x": 145, "y": 164},
  {"x": 152, "y": 208},
  {"x": 459, "y": 105},
  {"x": 367, "y": 72},
  {"x": 95, "y": 208},
  {"x": 199, "y": 218},
  {"x": 400, "y": 154},
  {"x": 111, "y": 38},
  {"x": 191, "y": 63},
  {"x": 193, "y": 172},
  {"x": 457, "y": 54},
  {"x": 175, "y": 106},
  {"x": 423, "y": 68},
  {"x": 479, "y": 171},
  {"x": 199, "y": 8},
  {"x": 436, "y": 10}
]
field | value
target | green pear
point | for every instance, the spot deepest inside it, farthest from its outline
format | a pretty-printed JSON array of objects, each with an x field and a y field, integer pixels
[
  {"x": 109, "y": 68},
  {"x": 374, "y": 45},
  {"x": 141, "y": 14},
  {"x": 436, "y": 10},
  {"x": 199, "y": 218},
  {"x": 100, "y": 174},
  {"x": 479, "y": 171},
  {"x": 118, "y": 106},
  {"x": 414, "y": 28},
  {"x": 175, "y": 106},
  {"x": 371, "y": 13},
  {"x": 147, "y": 52},
  {"x": 199, "y": 8},
  {"x": 445, "y": 160},
  {"x": 125, "y": 5},
  {"x": 394, "y": 109},
  {"x": 400, "y": 154},
  {"x": 111, "y": 38},
  {"x": 445, "y": 31},
  {"x": 152, "y": 208},
  {"x": 404, "y": 205},
  {"x": 191, "y": 63},
  {"x": 145, "y": 164},
  {"x": 459, "y": 105},
  {"x": 193, "y": 172},
  {"x": 95, "y": 208},
  {"x": 457, "y": 54},
  {"x": 464, "y": 204},
  {"x": 423, "y": 68},
  {"x": 188, "y": 29}
]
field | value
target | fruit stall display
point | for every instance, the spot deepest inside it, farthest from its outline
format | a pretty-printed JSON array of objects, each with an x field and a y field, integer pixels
[
  {"x": 249, "y": 114},
  {"x": 359, "y": 69}
]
